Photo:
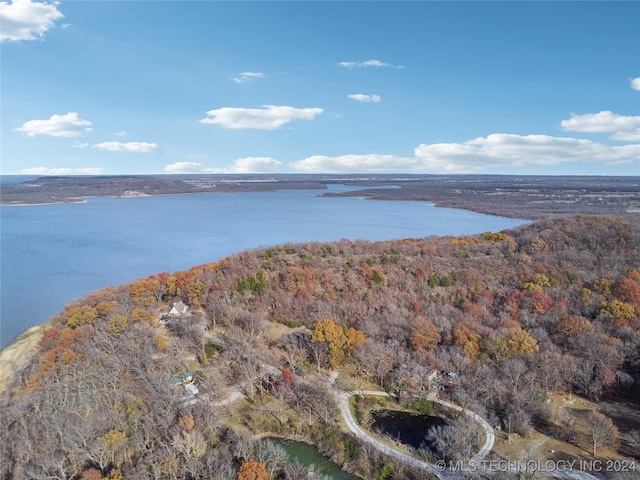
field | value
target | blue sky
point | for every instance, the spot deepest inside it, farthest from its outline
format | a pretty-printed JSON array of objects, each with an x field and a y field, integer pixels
[{"x": 119, "y": 87}]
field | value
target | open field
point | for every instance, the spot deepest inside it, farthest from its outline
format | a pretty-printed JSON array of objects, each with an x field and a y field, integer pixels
[{"x": 543, "y": 445}]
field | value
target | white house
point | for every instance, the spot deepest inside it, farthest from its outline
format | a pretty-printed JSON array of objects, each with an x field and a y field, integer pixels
[{"x": 179, "y": 309}]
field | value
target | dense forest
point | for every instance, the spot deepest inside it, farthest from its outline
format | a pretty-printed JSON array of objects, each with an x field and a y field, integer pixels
[{"x": 549, "y": 307}]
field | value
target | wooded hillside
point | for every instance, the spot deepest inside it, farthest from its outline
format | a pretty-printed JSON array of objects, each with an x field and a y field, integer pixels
[{"x": 552, "y": 306}]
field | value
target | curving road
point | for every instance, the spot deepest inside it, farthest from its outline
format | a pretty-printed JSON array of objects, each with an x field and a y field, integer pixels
[
  {"x": 343, "y": 404},
  {"x": 438, "y": 470},
  {"x": 476, "y": 463}
]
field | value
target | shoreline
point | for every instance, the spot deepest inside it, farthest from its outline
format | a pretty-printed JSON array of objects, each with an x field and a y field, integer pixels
[
  {"x": 16, "y": 356},
  {"x": 39, "y": 204}
]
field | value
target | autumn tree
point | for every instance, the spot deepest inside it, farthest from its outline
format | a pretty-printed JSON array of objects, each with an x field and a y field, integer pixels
[
  {"x": 628, "y": 290},
  {"x": 340, "y": 343},
  {"x": 252, "y": 470},
  {"x": 424, "y": 335}
]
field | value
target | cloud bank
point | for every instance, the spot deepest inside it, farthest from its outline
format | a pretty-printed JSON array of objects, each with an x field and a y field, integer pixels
[
  {"x": 269, "y": 117},
  {"x": 69, "y": 125},
  {"x": 509, "y": 150},
  {"x": 26, "y": 20},
  {"x": 624, "y": 128},
  {"x": 499, "y": 150},
  {"x": 373, "y": 163},
  {"x": 242, "y": 165}
]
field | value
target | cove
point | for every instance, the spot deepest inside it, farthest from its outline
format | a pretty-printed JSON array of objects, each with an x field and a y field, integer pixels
[
  {"x": 309, "y": 456},
  {"x": 53, "y": 254},
  {"x": 407, "y": 427}
]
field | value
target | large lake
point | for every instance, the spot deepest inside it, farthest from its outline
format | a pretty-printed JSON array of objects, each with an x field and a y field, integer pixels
[{"x": 51, "y": 254}]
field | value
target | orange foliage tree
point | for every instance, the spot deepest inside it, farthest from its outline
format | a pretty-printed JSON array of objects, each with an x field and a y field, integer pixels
[
  {"x": 340, "y": 343},
  {"x": 424, "y": 335},
  {"x": 252, "y": 470}
]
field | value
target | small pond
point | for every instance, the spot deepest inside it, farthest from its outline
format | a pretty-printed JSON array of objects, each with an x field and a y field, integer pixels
[
  {"x": 407, "y": 427},
  {"x": 309, "y": 456}
]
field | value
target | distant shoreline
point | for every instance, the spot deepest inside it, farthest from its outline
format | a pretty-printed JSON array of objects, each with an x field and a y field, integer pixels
[
  {"x": 524, "y": 197},
  {"x": 39, "y": 204}
]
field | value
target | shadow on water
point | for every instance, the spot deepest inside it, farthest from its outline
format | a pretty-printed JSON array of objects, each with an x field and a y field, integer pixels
[
  {"x": 407, "y": 427},
  {"x": 309, "y": 456}
]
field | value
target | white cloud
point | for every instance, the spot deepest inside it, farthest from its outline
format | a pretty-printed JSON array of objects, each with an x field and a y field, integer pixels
[
  {"x": 270, "y": 117},
  {"x": 635, "y": 83},
  {"x": 69, "y": 125},
  {"x": 248, "y": 76},
  {"x": 508, "y": 150},
  {"x": 79, "y": 145},
  {"x": 130, "y": 147},
  {"x": 625, "y": 128},
  {"x": 254, "y": 165},
  {"x": 498, "y": 150},
  {"x": 368, "y": 63},
  {"x": 361, "y": 97},
  {"x": 632, "y": 135},
  {"x": 186, "y": 167},
  {"x": 26, "y": 20},
  {"x": 62, "y": 171},
  {"x": 121, "y": 133},
  {"x": 373, "y": 163},
  {"x": 242, "y": 165}
]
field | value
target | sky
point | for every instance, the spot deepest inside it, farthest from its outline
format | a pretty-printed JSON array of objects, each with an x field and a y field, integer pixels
[{"x": 424, "y": 87}]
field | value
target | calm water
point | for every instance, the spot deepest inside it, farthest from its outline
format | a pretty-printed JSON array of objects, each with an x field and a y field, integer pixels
[
  {"x": 409, "y": 428},
  {"x": 309, "y": 456},
  {"x": 52, "y": 254}
]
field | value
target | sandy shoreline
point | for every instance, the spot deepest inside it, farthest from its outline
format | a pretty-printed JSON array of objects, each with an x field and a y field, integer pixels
[
  {"x": 16, "y": 356},
  {"x": 38, "y": 204}
]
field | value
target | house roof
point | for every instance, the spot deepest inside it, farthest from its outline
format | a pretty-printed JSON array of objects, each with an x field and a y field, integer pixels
[
  {"x": 180, "y": 307},
  {"x": 181, "y": 378}
]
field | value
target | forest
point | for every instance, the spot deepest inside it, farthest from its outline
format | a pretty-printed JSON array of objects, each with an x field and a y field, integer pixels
[{"x": 513, "y": 316}]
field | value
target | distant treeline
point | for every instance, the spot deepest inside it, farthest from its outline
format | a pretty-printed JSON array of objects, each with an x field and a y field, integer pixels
[{"x": 527, "y": 197}]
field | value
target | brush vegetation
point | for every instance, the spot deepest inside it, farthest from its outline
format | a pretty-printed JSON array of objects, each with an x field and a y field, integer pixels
[{"x": 549, "y": 307}]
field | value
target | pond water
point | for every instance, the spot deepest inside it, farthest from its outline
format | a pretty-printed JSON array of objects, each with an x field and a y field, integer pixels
[
  {"x": 309, "y": 456},
  {"x": 407, "y": 427}
]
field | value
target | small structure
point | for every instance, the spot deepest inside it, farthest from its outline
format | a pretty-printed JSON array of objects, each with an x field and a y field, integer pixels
[
  {"x": 191, "y": 389},
  {"x": 182, "y": 379},
  {"x": 179, "y": 309}
]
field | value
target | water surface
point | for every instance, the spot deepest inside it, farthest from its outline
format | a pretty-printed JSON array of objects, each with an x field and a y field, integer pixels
[
  {"x": 309, "y": 456},
  {"x": 407, "y": 427},
  {"x": 51, "y": 254}
]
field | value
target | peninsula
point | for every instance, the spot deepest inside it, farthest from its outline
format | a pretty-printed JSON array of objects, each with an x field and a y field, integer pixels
[{"x": 528, "y": 197}]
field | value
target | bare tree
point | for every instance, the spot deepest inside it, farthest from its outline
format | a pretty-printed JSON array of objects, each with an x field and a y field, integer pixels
[
  {"x": 273, "y": 456},
  {"x": 601, "y": 431},
  {"x": 295, "y": 471},
  {"x": 633, "y": 440}
]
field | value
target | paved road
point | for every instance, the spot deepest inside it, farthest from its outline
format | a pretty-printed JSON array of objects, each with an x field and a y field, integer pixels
[
  {"x": 343, "y": 404},
  {"x": 478, "y": 461}
]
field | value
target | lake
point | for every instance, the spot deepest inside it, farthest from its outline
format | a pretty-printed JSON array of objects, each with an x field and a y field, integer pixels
[{"x": 52, "y": 254}]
